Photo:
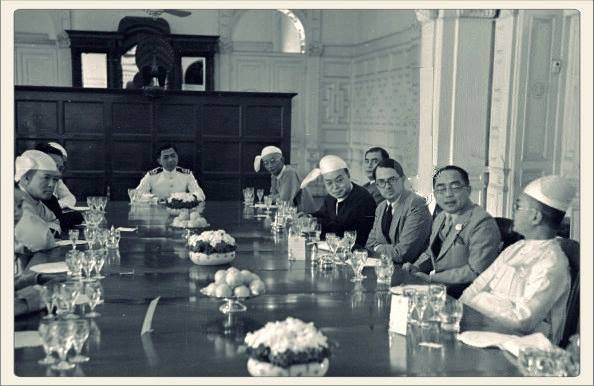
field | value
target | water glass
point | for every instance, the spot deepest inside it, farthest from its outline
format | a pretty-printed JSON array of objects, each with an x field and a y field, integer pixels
[
  {"x": 94, "y": 291},
  {"x": 88, "y": 263},
  {"x": 268, "y": 203},
  {"x": 350, "y": 237},
  {"x": 357, "y": 261},
  {"x": 384, "y": 270},
  {"x": 73, "y": 261},
  {"x": 47, "y": 297},
  {"x": 451, "y": 315},
  {"x": 80, "y": 337},
  {"x": 542, "y": 363},
  {"x": 437, "y": 298},
  {"x": 47, "y": 341},
  {"x": 69, "y": 293},
  {"x": 73, "y": 235},
  {"x": 100, "y": 256},
  {"x": 421, "y": 301},
  {"x": 248, "y": 196},
  {"x": 260, "y": 193},
  {"x": 410, "y": 294},
  {"x": 63, "y": 332}
]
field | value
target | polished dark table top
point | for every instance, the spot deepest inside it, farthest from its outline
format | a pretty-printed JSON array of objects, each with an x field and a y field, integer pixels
[{"x": 192, "y": 338}]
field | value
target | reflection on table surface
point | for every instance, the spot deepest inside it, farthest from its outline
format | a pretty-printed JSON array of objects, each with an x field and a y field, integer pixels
[{"x": 192, "y": 338}]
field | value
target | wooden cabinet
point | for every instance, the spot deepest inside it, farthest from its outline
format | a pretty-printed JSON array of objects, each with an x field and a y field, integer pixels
[{"x": 112, "y": 135}]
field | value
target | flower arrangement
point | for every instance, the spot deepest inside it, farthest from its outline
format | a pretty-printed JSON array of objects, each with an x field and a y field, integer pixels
[
  {"x": 211, "y": 242},
  {"x": 287, "y": 343},
  {"x": 181, "y": 201}
]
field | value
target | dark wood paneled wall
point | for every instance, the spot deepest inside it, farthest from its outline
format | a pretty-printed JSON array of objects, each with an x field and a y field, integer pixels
[{"x": 112, "y": 135}]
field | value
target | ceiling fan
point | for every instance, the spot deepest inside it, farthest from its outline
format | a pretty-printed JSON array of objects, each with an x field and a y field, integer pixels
[{"x": 155, "y": 13}]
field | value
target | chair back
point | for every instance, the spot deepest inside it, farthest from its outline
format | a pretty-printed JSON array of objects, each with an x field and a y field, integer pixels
[
  {"x": 506, "y": 229},
  {"x": 571, "y": 248}
]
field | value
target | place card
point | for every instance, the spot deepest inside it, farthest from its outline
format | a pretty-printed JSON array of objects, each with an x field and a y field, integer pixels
[
  {"x": 125, "y": 229},
  {"x": 399, "y": 314},
  {"x": 62, "y": 243},
  {"x": 297, "y": 247},
  {"x": 81, "y": 208},
  {"x": 148, "y": 318},
  {"x": 26, "y": 339}
]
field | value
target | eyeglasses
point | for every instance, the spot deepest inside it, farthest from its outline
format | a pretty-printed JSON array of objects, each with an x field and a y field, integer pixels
[
  {"x": 517, "y": 207},
  {"x": 382, "y": 183},
  {"x": 270, "y": 161},
  {"x": 454, "y": 188}
]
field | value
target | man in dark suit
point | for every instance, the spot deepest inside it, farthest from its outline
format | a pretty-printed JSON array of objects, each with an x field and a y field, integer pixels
[
  {"x": 373, "y": 156},
  {"x": 347, "y": 206},
  {"x": 464, "y": 238},
  {"x": 402, "y": 221}
]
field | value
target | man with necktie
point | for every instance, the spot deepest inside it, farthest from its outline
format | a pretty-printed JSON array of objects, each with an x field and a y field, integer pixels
[
  {"x": 373, "y": 156},
  {"x": 169, "y": 178},
  {"x": 464, "y": 238},
  {"x": 402, "y": 221},
  {"x": 347, "y": 206}
]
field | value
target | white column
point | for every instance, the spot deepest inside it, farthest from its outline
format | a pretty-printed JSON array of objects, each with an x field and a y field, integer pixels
[{"x": 456, "y": 56}]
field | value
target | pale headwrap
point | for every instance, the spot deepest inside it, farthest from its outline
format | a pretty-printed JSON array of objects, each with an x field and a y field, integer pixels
[
  {"x": 266, "y": 151},
  {"x": 328, "y": 164},
  {"x": 553, "y": 191},
  {"x": 33, "y": 160},
  {"x": 59, "y": 147}
]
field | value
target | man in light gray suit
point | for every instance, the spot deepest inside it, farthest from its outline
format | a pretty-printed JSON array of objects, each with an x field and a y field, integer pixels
[
  {"x": 464, "y": 238},
  {"x": 402, "y": 222}
]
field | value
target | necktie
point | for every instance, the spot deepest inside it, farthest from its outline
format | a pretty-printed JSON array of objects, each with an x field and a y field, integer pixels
[
  {"x": 386, "y": 222},
  {"x": 447, "y": 226}
]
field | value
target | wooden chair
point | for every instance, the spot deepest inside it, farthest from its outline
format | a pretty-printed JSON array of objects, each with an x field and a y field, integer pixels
[
  {"x": 508, "y": 235},
  {"x": 571, "y": 248}
]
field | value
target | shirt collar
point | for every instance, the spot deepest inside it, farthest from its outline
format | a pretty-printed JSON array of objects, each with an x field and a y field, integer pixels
[
  {"x": 166, "y": 172},
  {"x": 280, "y": 174}
]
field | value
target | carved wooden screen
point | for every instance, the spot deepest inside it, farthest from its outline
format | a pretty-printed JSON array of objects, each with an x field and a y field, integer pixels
[{"x": 112, "y": 135}]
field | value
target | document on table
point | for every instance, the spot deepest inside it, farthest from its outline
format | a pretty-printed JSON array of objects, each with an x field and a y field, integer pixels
[
  {"x": 148, "y": 318},
  {"x": 26, "y": 339}
]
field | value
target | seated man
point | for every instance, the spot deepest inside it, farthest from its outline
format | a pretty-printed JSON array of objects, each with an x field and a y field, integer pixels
[
  {"x": 37, "y": 176},
  {"x": 372, "y": 157},
  {"x": 169, "y": 178},
  {"x": 527, "y": 287},
  {"x": 347, "y": 206},
  {"x": 464, "y": 238},
  {"x": 62, "y": 200},
  {"x": 402, "y": 221},
  {"x": 284, "y": 181}
]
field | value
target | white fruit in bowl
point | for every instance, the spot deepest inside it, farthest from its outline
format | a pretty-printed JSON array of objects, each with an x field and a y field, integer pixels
[
  {"x": 194, "y": 216},
  {"x": 247, "y": 276},
  {"x": 257, "y": 287},
  {"x": 241, "y": 291},
  {"x": 210, "y": 289},
  {"x": 234, "y": 279},
  {"x": 223, "y": 291},
  {"x": 184, "y": 215},
  {"x": 220, "y": 276}
]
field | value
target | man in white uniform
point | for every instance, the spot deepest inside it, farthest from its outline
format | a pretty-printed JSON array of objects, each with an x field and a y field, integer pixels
[
  {"x": 169, "y": 178},
  {"x": 37, "y": 176},
  {"x": 527, "y": 286}
]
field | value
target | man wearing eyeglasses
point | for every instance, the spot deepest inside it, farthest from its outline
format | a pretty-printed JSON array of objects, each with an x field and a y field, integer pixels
[
  {"x": 372, "y": 158},
  {"x": 526, "y": 289},
  {"x": 402, "y": 221},
  {"x": 464, "y": 238},
  {"x": 284, "y": 181}
]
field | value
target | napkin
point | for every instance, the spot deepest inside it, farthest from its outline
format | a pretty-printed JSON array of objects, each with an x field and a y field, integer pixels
[
  {"x": 57, "y": 267},
  {"x": 262, "y": 206},
  {"x": 511, "y": 343},
  {"x": 324, "y": 246},
  {"x": 81, "y": 208},
  {"x": 26, "y": 339},
  {"x": 125, "y": 229},
  {"x": 148, "y": 318},
  {"x": 62, "y": 243}
]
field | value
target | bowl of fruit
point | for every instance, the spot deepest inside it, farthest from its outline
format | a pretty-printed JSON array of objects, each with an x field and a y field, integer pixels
[
  {"x": 177, "y": 202},
  {"x": 234, "y": 287},
  {"x": 211, "y": 248}
]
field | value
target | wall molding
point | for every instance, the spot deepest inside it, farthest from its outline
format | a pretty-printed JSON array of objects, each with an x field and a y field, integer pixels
[{"x": 33, "y": 38}]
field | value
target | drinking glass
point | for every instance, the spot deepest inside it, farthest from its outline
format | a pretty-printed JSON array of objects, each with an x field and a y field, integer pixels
[
  {"x": 47, "y": 342},
  {"x": 451, "y": 315},
  {"x": 317, "y": 229},
  {"x": 88, "y": 263},
  {"x": 357, "y": 261},
  {"x": 384, "y": 270},
  {"x": 101, "y": 203},
  {"x": 421, "y": 302},
  {"x": 94, "y": 291},
  {"x": 80, "y": 337},
  {"x": 332, "y": 240},
  {"x": 260, "y": 193},
  {"x": 267, "y": 203},
  {"x": 350, "y": 238},
  {"x": 74, "y": 262},
  {"x": 46, "y": 293},
  {"x": 99, "y": 262},
  {"x": 248, "y": 196},
  {"x": 69, "y": 292},
  {"x": 437, "y": 298},
  {"x": 542, "y": 363},
  {"x": 63, "y": 331},
  {"x": 73, "y": 235},
  {"x": 410, "y": 294}
]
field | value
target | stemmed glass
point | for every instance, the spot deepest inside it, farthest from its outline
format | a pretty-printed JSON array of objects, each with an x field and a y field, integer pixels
[
  {"x": 260, "y": 193},
  {"x": 74, "y": 262},
  {"x": 357, "y": 262},
  {"x": 80, "y": 337},
  {"x": 63, "y": 331},
  {"x": 47, "y": 297},
  {"x": 73, "y": 235},
  {"x": 317, "y": 229},
  {"x": 94, "y": 291},
  {"x": 99, "y": 262},
  {"x": 350, "y": 238},
  {"x": 101, "y": 203},
  {"x": 248, "y": 196},
  {"x": 267, "y": 203},
  {"x": 421, "y": 303},
  {"x": 69, "y": 292},
  {"x": 437, "y": 298},
  {"x": 332, "y": 240},
  {"x": 410, "y": 294},
  {"x": 47, "y": 341},
  {"x": 88, "y": 263}
]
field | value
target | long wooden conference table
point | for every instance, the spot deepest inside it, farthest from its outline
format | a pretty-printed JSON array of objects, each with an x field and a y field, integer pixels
[{"x": 191, "y": 337}]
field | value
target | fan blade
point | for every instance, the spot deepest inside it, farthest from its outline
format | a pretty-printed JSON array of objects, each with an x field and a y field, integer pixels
[{"x": 177, "y": 12}]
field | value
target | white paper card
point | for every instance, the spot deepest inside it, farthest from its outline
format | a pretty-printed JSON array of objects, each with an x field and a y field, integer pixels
[
  {"x": 297, "y": 247},
  {"x": 148, "y": 318},
  {"x": 26, "y": 339},
  {"x": 81, "y": 208},
  {"x": 399, "y": 314},
  {"x": 125, "y": 229},
  {"x": 62, "y": 243}
]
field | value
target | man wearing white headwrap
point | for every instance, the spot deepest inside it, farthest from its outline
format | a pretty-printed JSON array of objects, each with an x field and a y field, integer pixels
[
  {"x": 347, "y": 206},
  {"x": 37, "y": 176},
  {"x": 527, "y": 287},
  {"x": 284, "y": 181}
]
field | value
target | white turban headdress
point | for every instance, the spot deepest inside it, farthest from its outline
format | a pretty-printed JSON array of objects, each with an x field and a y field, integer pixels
[
  {"x": 266, "y": 151},
  {"x": 33, "y": 160},
  {"x": 553, "y": 191},
  {"x": 59, "y": 147},
  {"x": 328, "y": 164}
]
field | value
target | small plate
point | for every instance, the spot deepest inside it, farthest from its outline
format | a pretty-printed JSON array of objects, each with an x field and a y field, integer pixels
[{"x": 57, "y": 267}]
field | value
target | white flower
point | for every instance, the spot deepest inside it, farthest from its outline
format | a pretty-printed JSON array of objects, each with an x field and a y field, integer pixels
[
  {"x": 290, "y": 334},
  {"x": 212, "y": 237},
  {"x": 185, "y": 197},
  {"x": 459, "y": 227}
]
